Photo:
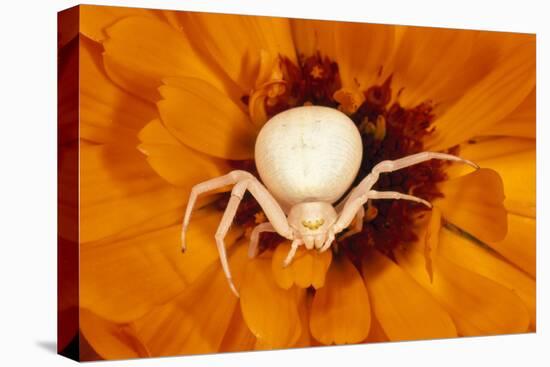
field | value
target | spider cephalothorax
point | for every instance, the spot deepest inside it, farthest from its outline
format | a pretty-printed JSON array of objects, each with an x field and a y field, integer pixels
[{"x": 307, "y": 158}]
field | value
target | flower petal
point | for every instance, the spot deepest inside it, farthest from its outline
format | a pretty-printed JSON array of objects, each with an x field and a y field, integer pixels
[
  {"x": 519, "y": 246},
  {"x": 110, "y": 340},
  {"x": 340, "y": 313},
  {"x": 234, "y": 42},
  {"x": 482, "y": 149},
  {"x": 196, "y": 321},
  {"x": 304, "y": 306},
  {"x": 489, "y": 101},
  {"x": 119, "y": 190},
  {"x": 404, "y": 309},
  {"x": 283, "y": 276},
  {"x": 141, "y": 51},
  {"x": 427, "y": 63},
  {"x": 479, "y": 260},
  {"x": 107, "y": 113},
  {"x": 515, "y": 161},
  {"x": 308, "y": 268},
  {"x": 123, "y": 280},
  {"x": 478, "y": 305},
  {"x": 205, "y": 119},
  {"x": 305, "y": 340},
  {"x": 376, "y": 333},
  {"x": 474, "y": 203},
  {"x": 238, "y": 337},
  {"x": 431, "y": 242},
  {"x": 360, "y": 49},
  {"x": 518, "y": 172},
  {"x": 175, "y": 162},
  {"x": 94, "y": 19},
  {"x": 520, "y": 123},
  {"x": 270, "y": 312}
]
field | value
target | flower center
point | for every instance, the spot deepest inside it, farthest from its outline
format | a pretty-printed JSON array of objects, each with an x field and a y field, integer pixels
[{"x": 388, "y": 131}]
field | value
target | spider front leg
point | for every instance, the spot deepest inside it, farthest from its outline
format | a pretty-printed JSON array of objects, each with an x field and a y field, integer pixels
[
  {"x": 357, "y": 224},
  {"x": 255, "y": 237},
  {"x": 213, "y": 184},
  {"x": 390, "y": 166},
  {"x": 372, "y": 194},
  {"x": 362, "y": 192},
  {"x": 243, "y": 181},
  {"x": 293, "y": 248},
  {"x": 228, "y": 216}
]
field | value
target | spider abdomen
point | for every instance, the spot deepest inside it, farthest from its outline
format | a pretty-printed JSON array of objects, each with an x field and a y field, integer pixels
[{"x": 309, "y": 153}]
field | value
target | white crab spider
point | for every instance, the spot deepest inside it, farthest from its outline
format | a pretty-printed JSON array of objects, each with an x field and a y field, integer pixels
[{"x": 307, "y": 158}]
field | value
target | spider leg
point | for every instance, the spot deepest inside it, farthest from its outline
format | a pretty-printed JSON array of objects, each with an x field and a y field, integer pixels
[
  {"x": 396, "y": 195},
  {"x": 255, "y": 237},
  {"x": 360, "y": 194},
  {"x": 390, "y": 166},
  {"x": 243, "y": 181},
  {"x": 293, "y": 248},
  {"x": 227, "y": 218},
  {"x": 271, "y": 208},
  {"x": 229, "y": 179},
  {"x": 357, "y": 224},
  {"x": 330, "y": 238}
]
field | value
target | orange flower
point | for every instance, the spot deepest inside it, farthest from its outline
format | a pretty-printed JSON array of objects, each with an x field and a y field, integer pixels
[{"x": 170, "y": 99}]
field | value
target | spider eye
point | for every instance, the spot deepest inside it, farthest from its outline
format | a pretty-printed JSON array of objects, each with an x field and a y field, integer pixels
[{"x": 313, "y": 224}]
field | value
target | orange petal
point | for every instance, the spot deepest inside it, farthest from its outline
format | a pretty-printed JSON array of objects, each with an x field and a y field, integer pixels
[
  {"x": 518, "y": 172},
  {"x": 519, "y": 246},
  {"x": 196, "y": 321},
  {"x": 305, "y": 340},
  {"x": 431, "y": 241},
  {"x": 514, "y": 159},
  {"x": 478, "y": 150},
  {"x": 234, "y": 42},
  {"x": 376, "y": 333},
  {"x": 175, "y": 162},
  {"x": 123, "y": 280},
  {"x": 360, "y": 49},
  {"x": 404, "y": 309},
  {"x": 474, "y": 203},
  {"x": 94, "y": 19},
  {"x": 304, "y": 305},
  {"x": 308, "y": 268},
  {"x": 110, "y": 340},
  {"x": 489, "y": 101},
  {"x": 107, "y": 113},
  {"x": 340, "y": 313},
  {"x": 481, "y": 261},
  {"x": 427, "y": 63},
  {"x": 477, "y": 305},
  {"x": 119, "y": 190},
  {"x": 238, "y": 337},
  {"x": 204, "y": 118},
  {"x": 141, "y": 51},
  {"x": 520, "y": 123},
  {"x": 270, "y": 312},
  {"x": 283, "y": 276}
]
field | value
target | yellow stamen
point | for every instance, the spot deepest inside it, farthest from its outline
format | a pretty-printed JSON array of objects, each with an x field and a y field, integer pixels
[
  {"x": 259, "y": 217},
  {"x": 269, "y": 85},
  {"x": 377, "y": 129},
  {"x": 366, "y": 127},
  {"x": 380, "y": 132},
  {"x": 349, "y": 100},
  {"x": 371, "y": 213},
  {"x": 317, "y": 72}
]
